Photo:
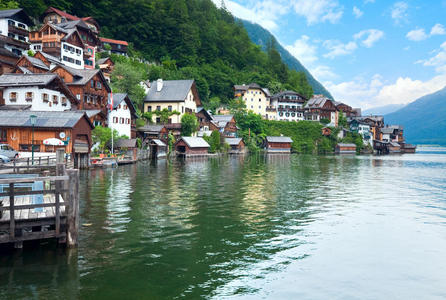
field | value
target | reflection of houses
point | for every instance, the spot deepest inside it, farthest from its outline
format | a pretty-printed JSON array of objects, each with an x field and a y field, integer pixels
[
  {"x": 226, "y": 125},
  {"x": 342, "y": 148},
  {"x": 278, "y": 144},
  {"x": 255, "y": 97},
  {"x": 191, "y": 146},
  {"x": 41, "y": 92},
  {"x": 123, "y": 115},
  {"x": 237, "y": 146},
  {"x": 288, "y": 106},
  {"x": 73, "y": 127},
  {"x": 179, "y": 95},
  {"x": 320, "y": 107},
  {"x": 14, "y": 30}
]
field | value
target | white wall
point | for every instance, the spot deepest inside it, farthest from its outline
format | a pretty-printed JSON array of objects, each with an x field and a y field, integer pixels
[
  {"x": 298, "y": 116},
  {"x": 120, "y": 113},
  {"x": 73, "y": 55},
  {"x": 256, "y": 100},
  {"x": 37, "y": 103}
]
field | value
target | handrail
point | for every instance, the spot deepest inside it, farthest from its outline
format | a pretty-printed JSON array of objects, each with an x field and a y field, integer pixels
[{"x": 33, "y": 179}]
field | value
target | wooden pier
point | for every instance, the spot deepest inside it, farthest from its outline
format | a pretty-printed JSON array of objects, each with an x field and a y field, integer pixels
[{"x": 49, "y": 212}]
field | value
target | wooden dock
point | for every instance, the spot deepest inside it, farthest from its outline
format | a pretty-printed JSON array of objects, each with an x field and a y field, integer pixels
[{"x": 50, "y": 212}]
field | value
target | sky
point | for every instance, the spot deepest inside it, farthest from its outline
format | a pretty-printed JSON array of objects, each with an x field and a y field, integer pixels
[{"x": 367, "y": 53}]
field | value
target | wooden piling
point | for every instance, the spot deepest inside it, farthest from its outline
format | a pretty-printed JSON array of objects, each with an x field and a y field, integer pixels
[{"x": 73, "y": 208}]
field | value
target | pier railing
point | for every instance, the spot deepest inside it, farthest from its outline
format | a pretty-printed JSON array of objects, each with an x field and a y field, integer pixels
[
  {"x": 51, "y": 211},
  {"x": 28, "y": 163}
]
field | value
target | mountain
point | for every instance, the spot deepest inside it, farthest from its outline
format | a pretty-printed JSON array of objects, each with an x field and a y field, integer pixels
[
  {"x": 262, "y": 37},
  {"x": 383, "y": 110},
  {"x": 424, "y": 120}
]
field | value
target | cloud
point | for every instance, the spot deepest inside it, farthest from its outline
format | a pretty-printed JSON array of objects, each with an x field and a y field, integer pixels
[
  {"x": 357, "y": 12},
  {"x": 323, "y": 73},
  {"x": 399, "y": 12},
  {"x": 438, "y": 29},
  {"x": 417, "y": 35},
  {"x": 374, "y": 92},
  {"x": 318, "y": 11},
  {"x": 337, "y": 48},
  {"x": 438, "y": 61},
  {"x": 303, "y": 50},
  {"x": 372, "y": 36},
  {"x": 265, "y": 13}
]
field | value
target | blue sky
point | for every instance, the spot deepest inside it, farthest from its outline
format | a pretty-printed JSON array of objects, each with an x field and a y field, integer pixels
[{"x": 367, "y": 53}]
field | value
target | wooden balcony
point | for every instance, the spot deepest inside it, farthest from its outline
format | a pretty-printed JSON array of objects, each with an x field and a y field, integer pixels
[
  {"x": 18, "y": 30},
  {"x": 10, "y": 41}
]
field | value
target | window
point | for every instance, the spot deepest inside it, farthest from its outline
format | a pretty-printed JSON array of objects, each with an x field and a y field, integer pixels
[
  {"x": 64, "y": 101},
  {"x": 55, "y": 99},
  {"x": 127, "y": 121},
  {"x": 45, "y": 97},
  {"x": 158, "y": 108},
  {"x": 78, "y": 52},
  {"x": 11, "y": 22},
  {"x": 86, "y": 99},
  {"x": 78, "y": 96},
  {"x": 29, "y": 96},
  {"x": 125, "y": 107},
  {"x": 169, "y": 108},
  {"x": 158, "y": 120},
  {"x": 98, "y": 85},
  {"x": 13, "y": 96},
  {"x": 149, "y": 108},
  {"x": 3, "y": 135},
  {"x": 92, "y": 83},
  {"x": 78, "y": 62},
  {"x": 260, "y": 100},
  {"x": 121, "y": 120},
  {"x": 115, "y": 120}
]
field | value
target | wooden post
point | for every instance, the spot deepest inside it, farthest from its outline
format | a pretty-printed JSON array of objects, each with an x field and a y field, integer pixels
[
  {"x": 40, "y": 160},
  {"x": 13, "y": 168},
  {"x": 58, "y": 207},
  {"x": 60, "y": 156},
  {"x": 11, "y": 211},
  {"x": 73, "y": 208}
]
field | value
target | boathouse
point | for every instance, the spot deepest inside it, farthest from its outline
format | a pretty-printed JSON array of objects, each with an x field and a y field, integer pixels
[
  {"x": 128, "y": 148},
  {"x": 342, "y": 148},
  {"x": 394, "y": 147},
  {"x": 158, "y": 149},
  {"x": 278, "y": 144},
  {"x": 191, "y": 146},
  {"x": 237, "y": 146}
]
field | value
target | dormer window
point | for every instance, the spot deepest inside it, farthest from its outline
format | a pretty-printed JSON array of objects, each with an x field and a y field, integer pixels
[
  {"x": 13, "y": 96},
  {"x": 98, "y": 85}
]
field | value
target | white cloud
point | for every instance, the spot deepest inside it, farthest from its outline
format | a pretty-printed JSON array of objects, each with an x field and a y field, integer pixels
[
  {"x": 323, "y": 73},
  {"x": 438, "y": 61},
  {"x": 438, "y": 29},
  {"x": 417, "y": 35},
  {"x": 318, "y": 11},
  {"x": 303, "y": 50},
  {"x": 372, "y": 36},
  {"x": 265, "y": 13},
  {"x": 374, "y": 92},
  {"x": 337, "y": 48},
  {"x": 399, "y": 12},
  {"x": 357, "y": 12}
]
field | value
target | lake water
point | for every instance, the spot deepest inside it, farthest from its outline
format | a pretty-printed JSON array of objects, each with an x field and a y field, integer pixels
[{"x": 272, "y": 227}]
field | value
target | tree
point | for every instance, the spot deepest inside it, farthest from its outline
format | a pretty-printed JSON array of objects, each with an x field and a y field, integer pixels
[
  {"x": 213, "y": 104},
  {"x": 342, "y": 120},
  {"x": 8, "y": 5},
  {"x": 189, "y": 124},
  {"x": 125, "y": 79},
  {"x": 165, "y": 114},
  {"x": 148, "y": 116},
  {"x": 325, "y": 121},
  {"x": 103, "y": 136}
]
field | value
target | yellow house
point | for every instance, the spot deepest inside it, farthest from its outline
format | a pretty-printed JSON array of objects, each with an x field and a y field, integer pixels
[
  {"x": 179, "y": 95},
  {"x": 255, "y": 97}
]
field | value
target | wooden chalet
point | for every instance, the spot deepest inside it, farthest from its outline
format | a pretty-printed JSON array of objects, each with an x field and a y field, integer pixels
[
  {"x": 91, "y": 89},
  {"x": 226, "y": 124},
  {"x": 347, "y": 110},
  {"x": 72, "y": 127},
  {"x": 128, "y": 148},
  {"x": 56, "y": 16},
  {"x": 394, "y": 148},
  {"x": 106, "y": 65},
  {"x": 158, "y": 149},
  {"x": 320, "y": 107},
  {"x": 278, "y": 144},
  {"x": 8, "y": 61},
  {"x": 29, "y": 64},
  {"x": 205, "y": 120},
  {"x": 237, "y": 146},
  {"x": 376, "y": 123},
  {"x": 117, "y": 46},
  {"x": 342, "y": 148},
  {"x": 191, "y": 146}
]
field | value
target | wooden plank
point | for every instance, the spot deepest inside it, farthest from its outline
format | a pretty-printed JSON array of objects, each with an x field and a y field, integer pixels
[
  {"x": 33, "y": 179},
  {"x": 11, "y": 211},
  {"x": 32, "y": 236},
  {"x": 73, "y": 208},
  {"x": 35, "y": 192},
  {"x": 58, "y": 188}
]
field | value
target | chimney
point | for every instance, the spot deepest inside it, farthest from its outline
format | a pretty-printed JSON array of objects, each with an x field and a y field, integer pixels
[{"x": 159, "y": 85}]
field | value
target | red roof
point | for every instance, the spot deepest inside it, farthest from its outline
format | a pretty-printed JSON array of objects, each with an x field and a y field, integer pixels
[
  {"x": 114, "y": 41},
  {"x": 62, "y": 13}
]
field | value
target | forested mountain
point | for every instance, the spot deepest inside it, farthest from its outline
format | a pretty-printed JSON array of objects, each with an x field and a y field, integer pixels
[
  {"x": 424, "y": 120},
  {"x": 262, "y": 37},
  {"x": 186, "y": 39}
]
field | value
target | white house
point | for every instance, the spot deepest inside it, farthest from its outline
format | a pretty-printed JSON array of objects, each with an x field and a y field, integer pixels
[
  {"x": 288, "y": 106},
  {"x": 123, "y": 115},
  {"x": 37, "y": 92},
  {"x": 14, "y": 30}
]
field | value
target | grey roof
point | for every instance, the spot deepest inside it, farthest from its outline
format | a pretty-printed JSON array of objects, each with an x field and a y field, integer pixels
[
  {"x": 90, "y": 112},
  {"x": 74, "y": 24},
  {"x": 25, "y": 70},
  {"x": 151, "y": 128},
  {"x": 15, "y": 107},
  {"x": 19, "y": 12},
  {"x": 317, "y": 102},
  {"x": 288, "y": 92},
  {"x": 159, "y": 142},
  {"x": 195, "y": 142},
  {"x": 395, "y": 144},
  {"x": 221, "y": 120},
  {"x": 387, "y": 130},
  {"x": 45, "y": 119},
  {"x": 41, "y": 79},
  {"x": 37, "y": 62},
  {"x": 233, "y": 141},
  {"x": 102, "y": 60},
  {"x": 244, "y": 87},
  {"x": 51, "y": 58},
  {"x": 9, "y": 12},
  {"x": 118, "y": 98},
  {"x": 83, "y": 76},
  {"x": 278, "y": 139},
  {"x": 172, "y": 91},
  {"x": 346, "y": 145},
  {"x": 126, "y": 143}
]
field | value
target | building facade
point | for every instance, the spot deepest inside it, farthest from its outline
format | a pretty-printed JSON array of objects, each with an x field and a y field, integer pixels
[
  {"x": 14, "y": 30},
  {"x": 255, "y": 97},
  {"x": 123, "y": 116},
  {"x": 288, "y": 106}
]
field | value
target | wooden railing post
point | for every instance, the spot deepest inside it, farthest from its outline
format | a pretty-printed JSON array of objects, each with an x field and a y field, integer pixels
[
  {"x": 13, "y": 168},
  {"x": 40, "y": 159},
  {"x": 57, "y": 207},
  {"x": 11, "y": 211},
  {"x": 73, "y": 207}
]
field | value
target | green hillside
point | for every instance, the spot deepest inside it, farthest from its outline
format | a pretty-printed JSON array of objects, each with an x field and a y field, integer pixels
[
  {"x": 424, "y": 120},
  {"x": 262, "y": 37}
]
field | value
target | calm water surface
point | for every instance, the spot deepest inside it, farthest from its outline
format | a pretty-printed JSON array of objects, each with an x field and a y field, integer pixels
[{"x": 274, "y": 227}]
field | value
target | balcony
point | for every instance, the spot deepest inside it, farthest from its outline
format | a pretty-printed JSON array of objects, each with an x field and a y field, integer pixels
[
  {"x": 18, "y": 30},
  {"x": 10, "y": 41},
  {"x": 270, "y": 108}
]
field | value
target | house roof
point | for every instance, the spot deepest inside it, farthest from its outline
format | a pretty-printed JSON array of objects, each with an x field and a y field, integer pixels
[
  {"x": 73, "y": 24},
  {"x": 158, "y": 142},
  {"x": 233, "y": 141},
  {"x": 195, "y": 142},
  {"x": 119, "y": 97},
  {"x": 111, "y": 41},
  {"x": 61, "y": 13},
  {"x": 40, "y": 79},
  {"x": 90, "y": 112},
  {"x": 346, "y": 145},
  {"x": 244, "y": 87},
  {"x": 126, "y": 143},
  {"x": 18, "y": 12},
  {"x": 6, "y": 52},
  {"x": 221, "y": 120},
  {"x": 83, "y": 76},
  {"x": 103, "y": 60},
  {"x": 15, "y": 107},
  {"x": 151, "y": 128},
  {"x": 387, "y": 130},
  {"x": 37, "y": 62},
  {"x": 45, "y": 119},
  {"x": 288, "y": 92},
  {"x": 394, "y": 144},
  {"x": 278, "y": 139},
  {"x": 172, "y": 91},
  {"x": 317, "y": 102},
  {"x": 50, "y": 58},
  {"x": 25, "y": 70}
]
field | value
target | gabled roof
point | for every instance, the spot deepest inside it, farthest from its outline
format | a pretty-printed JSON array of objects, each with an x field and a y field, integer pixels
[
  {"x": 222, "y": 120},
  {"x": 233, "y": 141},
  {"x": 172, "y": 91},
  {"x": 50, "y": 58},
  {"x": 111, "y": 41},
  {"x": 45, "y": 119},
  {"x": 18, "y": 13},
  {"x": 126, "y": 143},
  {"x": 83, "y": 76},
  {"x": 35, "y": 62},
  {"x": 73, "y": 24},
  {"x": 101, "y": 61},
  {"x": 317, "y": 102},
  {"x": 61, "y": 13},
  {"x": 244, "y": 87},
  {"x": 118, "y": 98},
  {"x": 151, "y": 128},
  {"x": 387, "y": 130},
  {"x": 158, "y": 142},
  {"x": 288, "y": 93},
  {"x": 278, "y": 139},
  {"x": 194, "y": 142}
]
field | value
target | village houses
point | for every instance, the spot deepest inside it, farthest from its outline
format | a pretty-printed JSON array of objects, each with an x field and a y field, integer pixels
[
  {"x": 123, "y": 115},
  {"x": 255, "y": 97},
  {"x": 288, "y": 106},
  {"x": 14, "y": 30}
]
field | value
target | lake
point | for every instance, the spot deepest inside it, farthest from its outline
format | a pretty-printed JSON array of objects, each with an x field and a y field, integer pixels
[{"x": 272, "y": 227}]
